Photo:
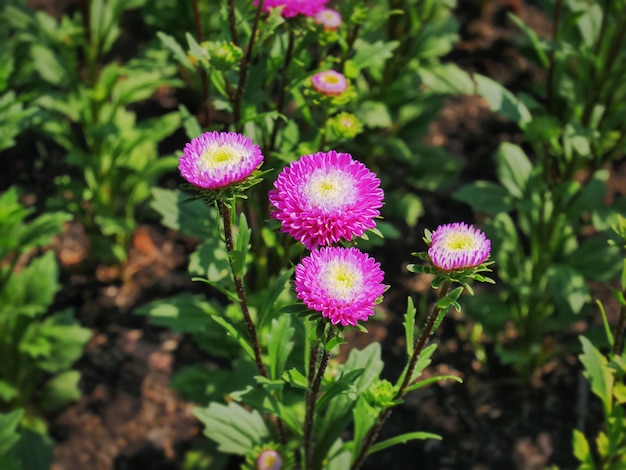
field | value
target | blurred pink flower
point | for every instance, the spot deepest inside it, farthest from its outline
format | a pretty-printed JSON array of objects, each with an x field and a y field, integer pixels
[
  {"x": 215, "y": 160},
  {"x": 340, "y": 283},
  {"x": 458, "y": 246},
  {"x": 330, "y": 19},
  {"x": 329, "y": 83},
  {"x": 294, "y": 7},
  {"x": 269, "y": 460},
  {"x": 325, "y": 197}
]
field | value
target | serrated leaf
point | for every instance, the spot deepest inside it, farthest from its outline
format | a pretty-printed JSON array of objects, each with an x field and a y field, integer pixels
[
  {"x": 185, "y": 215},
  {"x": 235, "y": 430},
  {"x": 599, "y": 375},
  {"x": 409, "y": 326}
]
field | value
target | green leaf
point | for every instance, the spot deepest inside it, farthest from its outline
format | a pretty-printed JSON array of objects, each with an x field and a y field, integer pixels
[
  {"x": 7, "y": 391},
  {"x": 513, "y": 168},
  {"x": 600, "y": 377},
  {"x": 568, "y": 287},
  {"x": 34, "y": 450},
  {"x": 425, "y": 382},
  {"x": 48, "y": 65},
  {"x": 279, "y": 344},
  {"x": 242, "y": 245},
  {"x": 409, "y": 326},
  {"x": 179, "y": 54},
  {"x": 582, "y": 451},
  {"x": 502, "y": 100},
  {"x": 183, "y": 312},
  {"x": 294, "y": 378},
  {"x": 345, "y": 383},
  {"x": 605, "y": 322},
  {"x": 597, "y": 259},
  {"x": 236, "y": 334},
  {"x": 31, "y": 291},
  {"x": 61, "y": 390},
  {"x": 64, "y": 339},
  {"x": 8, "y": 430},
  {"x": 485, "y": 196},
  {"x": 185, "y": 215},
  {"x": 449, "y": 299},
  {"x": 271, "y": 294},
  {"x": 372, "y": 55},
  {"x": 402, "y": 439},
  {"x": 235, "y": 430}
]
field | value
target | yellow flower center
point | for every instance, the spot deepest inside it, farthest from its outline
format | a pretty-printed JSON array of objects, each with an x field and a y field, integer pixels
[
  {"x": 219, "y": 156},
  {"x": 342, "y": 280},
  {"x": 329, "y": 190},
  {"x": 331, "y": 79},
  {"x": 460, "y": 241}
]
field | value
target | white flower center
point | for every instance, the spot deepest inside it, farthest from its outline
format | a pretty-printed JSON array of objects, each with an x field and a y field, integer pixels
[
  {"x": 329, "y": 190},
  {"x": 342, "y": 280},
  {"x": 219, "y": 156}
]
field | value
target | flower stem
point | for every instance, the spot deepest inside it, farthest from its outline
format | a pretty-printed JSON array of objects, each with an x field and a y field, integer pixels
[
  {"x": 228, "y": 235},
  {"x": 283, "y": 89},
  {"x": 203, "y": 73},
  {"x": 243, "y": 69},
  {"x": 619, "y": 331},
  {"x": 431, "y": 320},
  {"x": 311, "y": 396},
  {"x": 254, "y": 338}
]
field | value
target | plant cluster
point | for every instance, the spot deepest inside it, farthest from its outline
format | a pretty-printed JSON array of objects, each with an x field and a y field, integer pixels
[{"x": 304, "y": 152}]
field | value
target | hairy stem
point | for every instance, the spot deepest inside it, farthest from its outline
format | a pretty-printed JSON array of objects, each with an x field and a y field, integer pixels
[
  {"x": 252, "y": 334},
  {"x": 311, "y": 396},
  {"x": 431, "y": 320}
]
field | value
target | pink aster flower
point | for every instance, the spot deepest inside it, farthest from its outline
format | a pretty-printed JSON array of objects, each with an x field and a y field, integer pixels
[
  {"x": 340, "y": 283},
  {"x": 330, "y": 19},
  {"x": 215, "y": 160},
  {"x": 329, "y": 83},
  {"x": 269, "y": 459},
  {"x": 294, "y": 7},
  {"x": 324, "y": 197},
  {"x": 458, "y": 246}
]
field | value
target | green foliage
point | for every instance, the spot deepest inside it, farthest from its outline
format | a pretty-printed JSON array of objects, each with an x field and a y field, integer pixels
[
  {"x": 90, "y": 116},
  {"x": 38, "y": 348}
]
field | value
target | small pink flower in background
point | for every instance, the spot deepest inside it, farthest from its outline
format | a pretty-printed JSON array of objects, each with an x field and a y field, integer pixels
[
  {"x": 458, "y": 246},
  {"x": 340, "y": 283},
  {"x": 329, "y": 83},
  {"x": 269, "y": 460},
  {"x": 325, "y": 197},
  {"x": 215, "y": 160},
  {"x": 330, "y": 19},
  {"x": 292, "y": 8}
]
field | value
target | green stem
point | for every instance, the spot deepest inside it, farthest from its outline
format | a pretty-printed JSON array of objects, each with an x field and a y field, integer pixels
[
  {"x": 254, "y": 338},
  {"x": 311, "y": 396},
  {"x": 551, "y": 64},
  {"x": 619, "y": 331},
  {"x": 243, "y": 70},
  {"x": 252, "y": 334},
  {"x": 203, "y": 73},
  {"x": 283, "y": 88},
  {"x": 431, "y": 320}
]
